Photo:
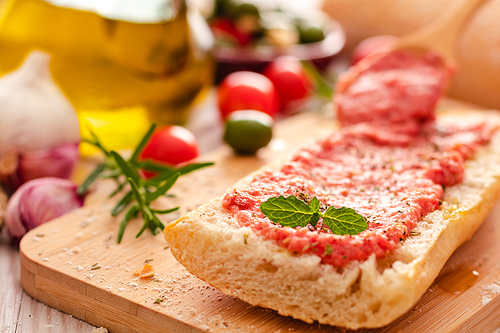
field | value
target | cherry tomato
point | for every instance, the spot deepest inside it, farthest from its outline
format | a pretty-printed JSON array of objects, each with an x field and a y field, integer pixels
[
  {"x": 289, "y": 79},
  {"x": 373, "y": 44},
  {"x": 170, "y": 145},
  {"x": 225, "y": 28},
  {"x": 248, "y": 130},
  {"x": 247, "y": 90}
]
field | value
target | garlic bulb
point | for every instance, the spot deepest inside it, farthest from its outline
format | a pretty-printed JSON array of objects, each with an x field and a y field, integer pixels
[
  {"x": 36, "y": 117},
  {"x": 39, "y": 201}
]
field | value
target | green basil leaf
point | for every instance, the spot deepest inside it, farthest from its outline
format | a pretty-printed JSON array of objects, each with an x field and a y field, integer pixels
[
  {"x": 344, "y": 221},
  {"x": 289, "y": 211}
]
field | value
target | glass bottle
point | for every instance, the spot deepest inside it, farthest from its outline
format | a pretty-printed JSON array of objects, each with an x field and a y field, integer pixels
[{"x": 122, "y": 63}]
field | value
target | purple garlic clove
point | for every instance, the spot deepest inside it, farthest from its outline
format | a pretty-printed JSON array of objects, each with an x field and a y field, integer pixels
[
  {"x": 39, "y": 201},
  {"x": 56, "y": 162}
]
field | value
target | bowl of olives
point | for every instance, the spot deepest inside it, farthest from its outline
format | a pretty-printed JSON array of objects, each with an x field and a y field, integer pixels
[{"x": 249, "y": 35}]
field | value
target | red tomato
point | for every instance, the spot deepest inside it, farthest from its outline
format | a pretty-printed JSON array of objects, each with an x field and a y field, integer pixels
[
  {"x": 373, "y": 44},
  {"x": 289, "y": 79},
  {"x": 224, "y": 28},
  {"x": 247, "y": 91},
  {"x": 170, "y": 145}
]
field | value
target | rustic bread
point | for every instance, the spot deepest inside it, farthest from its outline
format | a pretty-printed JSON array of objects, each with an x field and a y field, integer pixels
[
  {"x": 477, "y": 46},
  {"x": 213, "y": 246}
]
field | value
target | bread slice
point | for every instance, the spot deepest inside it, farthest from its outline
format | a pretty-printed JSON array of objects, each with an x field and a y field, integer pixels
[{"x": 373, "y": 293}]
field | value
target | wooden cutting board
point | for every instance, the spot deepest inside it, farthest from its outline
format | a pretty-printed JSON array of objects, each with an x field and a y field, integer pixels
[{"x": 59, "y": 260}]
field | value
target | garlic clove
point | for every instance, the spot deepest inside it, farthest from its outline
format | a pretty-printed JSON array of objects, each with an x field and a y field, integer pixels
[
  {"x": 57, "y": 162},
  {"x": 36, "y": 117},
  {"x": 35, "y": 113},
  {"x": 39, "y": 201}
]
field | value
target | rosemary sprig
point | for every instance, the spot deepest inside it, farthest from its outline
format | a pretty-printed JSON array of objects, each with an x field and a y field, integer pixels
[
  {"x": 142, "y": 192},
  {"x": 322, "y": 87}
]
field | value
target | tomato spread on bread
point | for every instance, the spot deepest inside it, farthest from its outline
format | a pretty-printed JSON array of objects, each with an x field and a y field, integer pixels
[
  {"x": 395, "y": 88},
  {"x": 392, "y": 171}
]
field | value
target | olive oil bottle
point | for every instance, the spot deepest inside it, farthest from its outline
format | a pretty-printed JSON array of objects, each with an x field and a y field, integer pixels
[{"x": 122, "y": 63}]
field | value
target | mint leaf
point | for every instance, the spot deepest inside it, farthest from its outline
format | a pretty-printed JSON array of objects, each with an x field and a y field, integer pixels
[
  {"x": 314, "y": 207},
  {"x": 293, "y": 212},
  {"x": 290, "y": 211},
  {"x": 344, "y": 221}
]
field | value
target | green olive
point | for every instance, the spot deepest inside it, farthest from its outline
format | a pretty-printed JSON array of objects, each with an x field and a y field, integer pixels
[
  {"x": 311, "y": 34},
  {"x": 246, "y": 9},
  {"x": 248, "y": 130},
  {"x": 311, "y": 27}
]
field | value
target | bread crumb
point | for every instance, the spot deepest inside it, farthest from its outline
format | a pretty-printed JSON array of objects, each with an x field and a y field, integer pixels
[
  {"x": 74, "y": 250},
  {"x": 485, "y": 299},
  {"x": 99, "y": 330},
  {"x": 493, "y": 288},
  {"x": 146, "y": 272}
]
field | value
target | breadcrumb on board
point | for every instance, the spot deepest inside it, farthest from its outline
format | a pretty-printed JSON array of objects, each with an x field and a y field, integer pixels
[
  {"x": 487, "y": 291},
  {"x": 99, "y": 330}
]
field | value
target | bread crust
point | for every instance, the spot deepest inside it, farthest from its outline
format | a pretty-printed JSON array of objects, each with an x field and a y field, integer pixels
[{"x": 212, "y": 245}]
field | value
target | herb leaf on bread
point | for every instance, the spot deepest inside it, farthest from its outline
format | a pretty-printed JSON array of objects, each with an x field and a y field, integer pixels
[
  {"x": 293, "y": 212},
  {"x": 344, "y": 221}
]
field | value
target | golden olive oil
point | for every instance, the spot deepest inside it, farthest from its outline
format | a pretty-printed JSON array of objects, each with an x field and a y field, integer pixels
[{"x": 119, "y": 73}]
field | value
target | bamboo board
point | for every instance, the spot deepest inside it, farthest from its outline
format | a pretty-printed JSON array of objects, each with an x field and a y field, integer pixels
[{"x": 57, "y": 260}]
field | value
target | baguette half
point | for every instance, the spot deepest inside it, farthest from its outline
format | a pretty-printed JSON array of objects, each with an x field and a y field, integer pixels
[{"x": 235, "y": 260}]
